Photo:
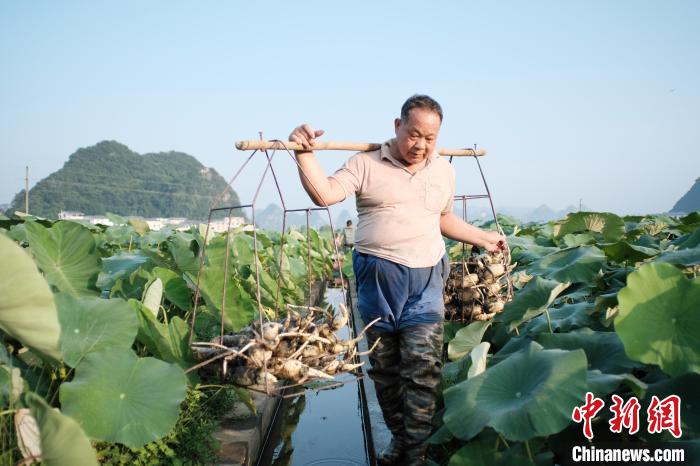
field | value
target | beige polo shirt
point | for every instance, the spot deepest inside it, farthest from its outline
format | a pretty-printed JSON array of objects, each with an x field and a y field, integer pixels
[{"x": 399, "y": 212}]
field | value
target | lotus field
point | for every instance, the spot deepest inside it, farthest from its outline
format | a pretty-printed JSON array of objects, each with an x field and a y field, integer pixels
[
  {"x": 94, "y": 321},
  {"x": 603, "y": 304}
]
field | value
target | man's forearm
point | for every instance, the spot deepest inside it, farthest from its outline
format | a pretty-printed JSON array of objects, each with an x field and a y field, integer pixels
[
  {"x": 314, "y": 180},
  {"x": 457, "y": 229}
]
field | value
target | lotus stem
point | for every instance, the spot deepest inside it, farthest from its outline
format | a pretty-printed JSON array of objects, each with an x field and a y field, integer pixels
[{"x": 529, "y": 453}]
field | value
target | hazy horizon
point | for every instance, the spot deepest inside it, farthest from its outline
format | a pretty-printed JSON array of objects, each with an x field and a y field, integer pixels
[{"x": 592, "y": 102}]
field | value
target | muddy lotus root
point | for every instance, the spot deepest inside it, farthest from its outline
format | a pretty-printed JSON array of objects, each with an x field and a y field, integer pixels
[
  {"x": 477, "y": 288},
  {"x": 299, "y": 348}
]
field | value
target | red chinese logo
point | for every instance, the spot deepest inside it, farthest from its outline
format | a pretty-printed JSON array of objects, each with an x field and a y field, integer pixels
[
  {"x": 661, "y": 415},
  {"x": 665, "y": 415},
  {"x": 587, "y": 412},
  {"x": 625, "y": 415}
]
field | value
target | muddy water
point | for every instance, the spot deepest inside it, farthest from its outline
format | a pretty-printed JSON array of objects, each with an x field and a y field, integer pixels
[{"x": 321, "y": 427}]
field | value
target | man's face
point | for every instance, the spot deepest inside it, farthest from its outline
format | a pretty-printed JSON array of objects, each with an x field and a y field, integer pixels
[{"x": 416, "y": 137}]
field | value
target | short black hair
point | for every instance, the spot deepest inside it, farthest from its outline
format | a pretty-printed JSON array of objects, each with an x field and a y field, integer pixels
[
  {"x": 420, "y": 101},
  {"x": 348, "y": 223}
]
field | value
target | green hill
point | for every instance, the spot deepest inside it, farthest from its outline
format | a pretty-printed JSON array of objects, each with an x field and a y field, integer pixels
[
  {"x": 690, "y": 202},
  {"x": 109, "y": 177}
]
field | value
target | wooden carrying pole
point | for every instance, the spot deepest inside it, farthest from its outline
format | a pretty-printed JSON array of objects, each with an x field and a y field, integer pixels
[{"x": 255, "y": 144}]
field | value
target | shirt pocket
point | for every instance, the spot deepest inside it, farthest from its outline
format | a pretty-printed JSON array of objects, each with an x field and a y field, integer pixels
[{"x": 435, "y": 197}]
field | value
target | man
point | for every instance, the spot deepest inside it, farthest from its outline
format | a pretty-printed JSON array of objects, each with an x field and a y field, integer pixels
[
  {"x": 404, "y": 195},
  {"x": 348, "y": 235}
]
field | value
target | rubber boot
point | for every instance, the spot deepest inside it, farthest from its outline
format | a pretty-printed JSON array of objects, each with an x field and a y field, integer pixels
[
  {"x": 393, "y": 454},
  {"x": 414, "y": 455},
  {"x": 385, "y": 361}
]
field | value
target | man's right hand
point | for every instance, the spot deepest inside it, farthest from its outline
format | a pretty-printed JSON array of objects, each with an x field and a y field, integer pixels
[{"x": 305, "y": 135}]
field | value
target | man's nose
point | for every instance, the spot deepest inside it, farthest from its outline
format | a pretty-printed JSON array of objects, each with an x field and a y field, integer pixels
[{"x": 420, "y": 143}]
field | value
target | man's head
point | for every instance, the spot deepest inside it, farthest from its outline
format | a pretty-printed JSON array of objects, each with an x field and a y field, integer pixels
[
  {"x": 417, "y": 129},
  {"x": 348, "y": 223}
]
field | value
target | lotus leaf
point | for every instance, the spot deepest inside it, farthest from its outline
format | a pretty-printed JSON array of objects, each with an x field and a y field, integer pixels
[
  {"x": 93, "y": 324},
  {"x": 27, "y": 309},
  {"x": 465, "y": 339},
  {"x": 658, "y": 320},
  {"x": 604, "y": 384},
  {"x": 690, "y": 240},
  {"x": 119, "y": 397},
  {"x": 563, "y": 319},
  {"x": 153, "y": 296},
  {"x": 622, "y": 251},
  {"x": 67, "y": 255},
  {"x": 572, "y": 240},
  {"x": 63, "y": 442},
  {"x": 685, "y": 257},
  {"x": 175, "y": 288},
  {"x": 604, "y": 350},
  {"x": 578, "y": 264},
  {"x": 182, "y": 248},
  {"x": 609, "y": 226},
  {"x": 120, "y": 265},
  {"x": 169, "y": 342},
  {"x": 478, "y": 454},
  {"x": 531, "y": 301},
  {"x": 530, "y": 394}
]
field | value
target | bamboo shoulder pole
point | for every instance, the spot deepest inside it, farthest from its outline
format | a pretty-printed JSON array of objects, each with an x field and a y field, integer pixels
[{"x": 256, "y": 144}]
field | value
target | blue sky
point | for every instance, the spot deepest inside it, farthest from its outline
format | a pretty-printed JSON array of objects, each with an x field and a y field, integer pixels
[{"x": 590, "y": 100}]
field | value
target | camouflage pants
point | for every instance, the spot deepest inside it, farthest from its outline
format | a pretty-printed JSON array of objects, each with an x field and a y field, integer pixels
[{"x": 406, "y": 367}]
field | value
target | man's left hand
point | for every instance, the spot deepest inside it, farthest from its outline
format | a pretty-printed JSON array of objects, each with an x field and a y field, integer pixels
[{"x": 494, "y": 242}]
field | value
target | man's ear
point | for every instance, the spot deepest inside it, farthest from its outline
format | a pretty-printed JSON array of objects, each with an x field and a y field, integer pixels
[{"x": 397, "y": 125}]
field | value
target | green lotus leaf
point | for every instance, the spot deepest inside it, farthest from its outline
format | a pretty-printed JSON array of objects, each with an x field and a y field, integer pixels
[
  {"x": 67, "y": 255},
  {"x": 117, "y": 219},
  {"x": 455, "y": 371},
  {"x": 182, "y": 248},
  {"x": 63, "y": 442},
  {"x": 118, "y": 397},
  {"x": 530, "y": 394},
  {"x": 441, "y": 435},
  {"x": 175, "y": 288},
  {"x": 692, "y": 219},
  {"x": 687, "y": 387},
  {"x": 609, "y": 226},
  {"x": 465, "y": 339},
  {"x": 479, "y": 454},
  {"x": 514, "y": 345},
  {"x": 91, "y": 324},
  {"x": 238, "y": 307},
  {"x": 658, "y": 320},
  {"x": 121, "y": 265},
  {"x": 140, "y": 226},
  {"x": 604, "y": 350},
  {"x": 572, "y": 240},
  {"x": 524, "y": 249},
  {"x": 579, "y": 264},
  {"x": 169, "y": 342},
  {"x": 603, "y": 384},
  {"x": 531, "y": 301},
  {"x": 27, "y": 309},
  {"x": 691, "y": 240},
  {"x": 622, "y": 251},
  {"x": 242, "y": 247},
  {"x": 563, "y": 319},
  {"x": 685, "y": 257}
]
